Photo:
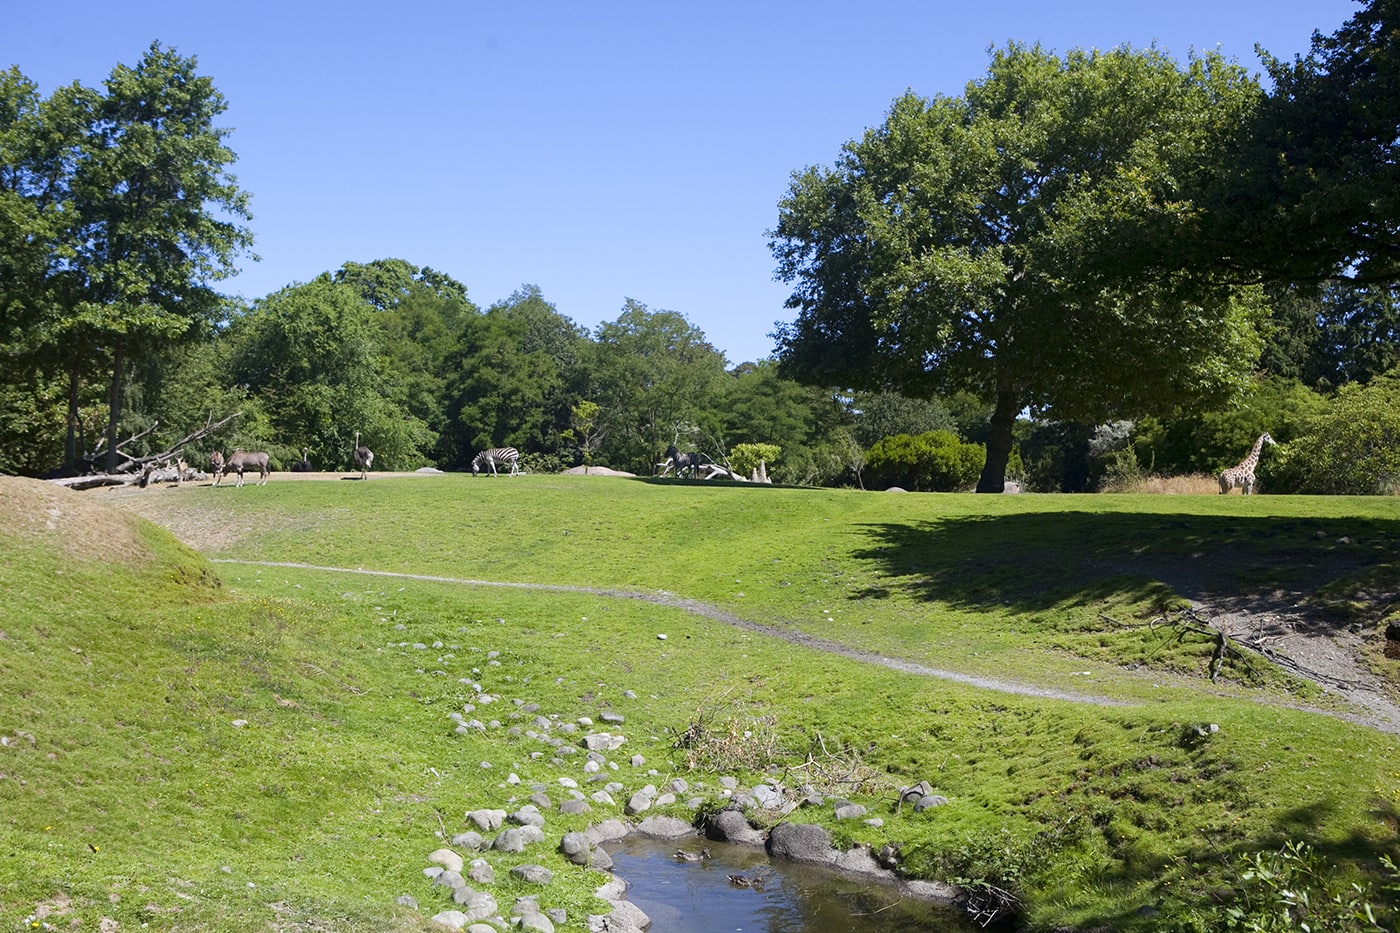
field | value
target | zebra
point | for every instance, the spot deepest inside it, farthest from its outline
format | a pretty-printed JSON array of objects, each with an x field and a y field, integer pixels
[{"x": 502, "y": 455}]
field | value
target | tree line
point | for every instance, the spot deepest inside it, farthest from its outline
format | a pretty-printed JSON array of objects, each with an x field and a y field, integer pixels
[{"x": 1086, "y": 265}]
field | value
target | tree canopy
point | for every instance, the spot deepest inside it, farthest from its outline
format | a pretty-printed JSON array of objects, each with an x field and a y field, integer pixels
[
  {"x": 118, "y": 213},
  {"x": 1018, "y": 242},
  {"x": 1309, "y": 189}
]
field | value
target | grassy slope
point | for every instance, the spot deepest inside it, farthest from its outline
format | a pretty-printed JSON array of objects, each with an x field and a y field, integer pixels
[{"x": 129, "y": 677}]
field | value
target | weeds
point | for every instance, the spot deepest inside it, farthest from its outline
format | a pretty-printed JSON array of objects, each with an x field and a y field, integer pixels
[{"x": 717, "y": 740}]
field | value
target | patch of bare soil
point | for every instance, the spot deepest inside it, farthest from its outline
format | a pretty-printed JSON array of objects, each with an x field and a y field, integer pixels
[{"x": 1311, "y": 646}]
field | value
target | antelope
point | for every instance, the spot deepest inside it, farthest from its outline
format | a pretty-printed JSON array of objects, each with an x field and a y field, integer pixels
[{"x": 238, "y": 461}]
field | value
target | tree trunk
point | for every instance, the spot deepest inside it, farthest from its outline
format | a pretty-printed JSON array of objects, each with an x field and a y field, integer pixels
[
  {"x": 114, "y": 404},
  {"x": 999, "y": 443},
  {"x": 72, "y": 444}
]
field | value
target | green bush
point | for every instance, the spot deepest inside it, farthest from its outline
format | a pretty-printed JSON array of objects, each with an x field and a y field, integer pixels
[
  {"x": 936, "y": 461},
  {"x": 1353, "y": 448},
  {"x": 744, "y": 458}
]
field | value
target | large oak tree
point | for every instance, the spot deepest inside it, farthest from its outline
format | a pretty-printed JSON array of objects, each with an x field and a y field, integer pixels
[{"x": 1024, "y": 242}]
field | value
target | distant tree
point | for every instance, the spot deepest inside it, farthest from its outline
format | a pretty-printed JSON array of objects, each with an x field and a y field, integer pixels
[
  {"x": 745, "y": 458},
  {"x": 513, "y": 378},
  {"x": 385, "y": 283},
  {"x": 653, "y": 373},
  {"x": 1352, "y": 448},
  {"x": 881, "y": 414},
  {"x": 312, "y": 354},
  {"x": 1208, "y": 441},
  {"x": 1022, "y": 242},
  {"x": 757, "y": 405},
  {"x": 936, "y": 461},
  {"x": 1359, "y": 336},
  {"x": 585, "y": 431}
]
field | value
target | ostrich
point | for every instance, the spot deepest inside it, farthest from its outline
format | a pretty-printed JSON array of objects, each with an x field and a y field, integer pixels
[
  {"x": 303, "y": 465},
  {"x": 364, "y": 457}
]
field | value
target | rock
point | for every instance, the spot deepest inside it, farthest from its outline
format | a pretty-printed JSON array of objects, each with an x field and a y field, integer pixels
[
  {"x": 850, "y": 811},
  {"x": 515, "y": 840},
  {"x": 487, "y": 820},
  {"x": 626, "y": 917},
  {"x": 608, "y": 716},
  {"x": 478, "y": 905},
  {"x": 447, "y": 859},
  {"x": 665, "y": 827},
  {"x": 468, "y": 840},
  {"x": 449, "y": 879},
  {"x": 607, "y": 831},
  {"x": 527, "y": 815},
  {"x": 637, "y": 803},
  {"x": 929, "y": 802},
  {"x": 534, "y": 874},
  {"x": 452, "y": 919},
  {"x": 576, "y": 848},
  {"x": 767, "y": 796},
  {"x": 731, "y": 826},
  {"x": 481, "y": 871},
  {"x": 801, "y": 842},
  {"x": 603, "y": 741},
  {"x": 574, "y": 806}
]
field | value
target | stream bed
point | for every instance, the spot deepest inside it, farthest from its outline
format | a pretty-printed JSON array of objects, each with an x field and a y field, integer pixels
[{"x": 769, "y": 897}]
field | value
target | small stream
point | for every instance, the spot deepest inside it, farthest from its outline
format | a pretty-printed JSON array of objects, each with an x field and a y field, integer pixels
[{"x": 781, "y": 897}]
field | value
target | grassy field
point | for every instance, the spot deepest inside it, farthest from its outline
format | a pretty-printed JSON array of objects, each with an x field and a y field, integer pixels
[{"x": 243, "y": 733}]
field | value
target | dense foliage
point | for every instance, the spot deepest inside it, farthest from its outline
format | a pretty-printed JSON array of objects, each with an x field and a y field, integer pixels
[
  {"x": 1082, "y": 239},
  {"x": 1013, "y": 242}
]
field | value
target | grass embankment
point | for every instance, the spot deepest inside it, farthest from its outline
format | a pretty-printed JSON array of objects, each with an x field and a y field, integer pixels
[{"x": 128, "y": 790}]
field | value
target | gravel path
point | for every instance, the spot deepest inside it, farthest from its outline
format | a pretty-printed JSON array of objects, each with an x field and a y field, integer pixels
[
  {"x": 662, "y": 598},
  {"x": 1331, "y": 664}
]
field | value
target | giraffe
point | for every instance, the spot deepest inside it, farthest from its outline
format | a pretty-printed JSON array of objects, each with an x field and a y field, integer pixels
[{"x": 1243, "y": 474}]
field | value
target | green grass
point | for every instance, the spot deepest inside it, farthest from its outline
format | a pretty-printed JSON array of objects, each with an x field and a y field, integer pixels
[{"x": 139, "y": 799}]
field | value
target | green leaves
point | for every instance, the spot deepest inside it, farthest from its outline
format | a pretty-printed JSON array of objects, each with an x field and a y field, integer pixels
[{"x": 1024, "y": 242}]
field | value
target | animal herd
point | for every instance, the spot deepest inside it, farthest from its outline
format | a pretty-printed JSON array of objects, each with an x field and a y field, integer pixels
[
  {"x": 1241, "y": 476},
  {"x": 248, "y": 460}
]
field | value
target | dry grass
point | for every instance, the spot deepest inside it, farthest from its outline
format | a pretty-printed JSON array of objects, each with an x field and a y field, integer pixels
[
  {"x": 82, "y": 528},
  {"x": 1191, "y": 484}
]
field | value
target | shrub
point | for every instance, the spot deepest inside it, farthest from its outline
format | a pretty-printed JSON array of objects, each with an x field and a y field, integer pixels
[
  {"x": 744, "y": 458},
  {"x": 1353, "y": 448},
  {"x": 936, "y": 461}
]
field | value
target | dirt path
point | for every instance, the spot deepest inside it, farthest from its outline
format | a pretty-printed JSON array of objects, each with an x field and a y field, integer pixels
[
  {"x": 1379, "y": 713},
  {"x": 670, "y": 600}
]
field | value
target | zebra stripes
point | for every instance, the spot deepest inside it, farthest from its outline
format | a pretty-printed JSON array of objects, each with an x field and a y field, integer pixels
[{"x": 497, "y": 455}]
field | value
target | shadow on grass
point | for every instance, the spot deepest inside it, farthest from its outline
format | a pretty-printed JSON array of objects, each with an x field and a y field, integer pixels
[{"x": 1035, "y": 561}]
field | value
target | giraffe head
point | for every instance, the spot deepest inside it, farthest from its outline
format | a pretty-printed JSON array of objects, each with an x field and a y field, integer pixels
[{"x": 1266, "y": 438}]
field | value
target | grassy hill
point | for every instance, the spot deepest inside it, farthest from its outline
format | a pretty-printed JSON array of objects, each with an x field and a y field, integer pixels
[{"x": 253, "y": 728}]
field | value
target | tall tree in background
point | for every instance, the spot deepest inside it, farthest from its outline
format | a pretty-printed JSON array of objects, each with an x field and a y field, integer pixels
[
  {"x": 1022, "y": 242},
  {"x": 155, "y": 221},
  {"x": 511, "y": 378},
  {"x": 652, "y": 373}
]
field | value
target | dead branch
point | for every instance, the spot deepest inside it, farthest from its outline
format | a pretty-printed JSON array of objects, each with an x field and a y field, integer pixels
[
  {"x": 133, "y": 469},
  {"x": 1188, "y": 622}
]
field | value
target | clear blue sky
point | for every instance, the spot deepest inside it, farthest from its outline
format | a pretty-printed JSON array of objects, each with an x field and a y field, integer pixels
[{"x": 599, "y": 150}]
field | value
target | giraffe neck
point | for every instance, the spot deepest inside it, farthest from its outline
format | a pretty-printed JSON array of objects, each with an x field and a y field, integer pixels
[{"x": 1248, "y": 463}]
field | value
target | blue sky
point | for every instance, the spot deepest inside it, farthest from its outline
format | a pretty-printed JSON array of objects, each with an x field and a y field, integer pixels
[{"x": 602, "y": 151}]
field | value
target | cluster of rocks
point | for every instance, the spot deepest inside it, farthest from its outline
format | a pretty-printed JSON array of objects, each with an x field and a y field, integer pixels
[
  {"x": 589, "y": 747},
  {"x": 466, "y": 874}
]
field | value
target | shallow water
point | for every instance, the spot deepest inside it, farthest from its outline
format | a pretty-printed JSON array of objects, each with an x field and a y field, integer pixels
[{"x": 698, "y": 897}]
